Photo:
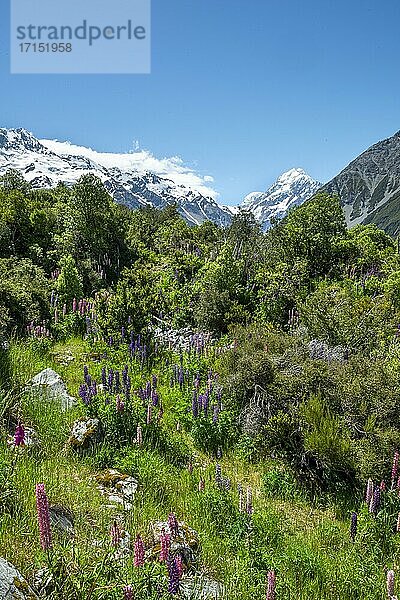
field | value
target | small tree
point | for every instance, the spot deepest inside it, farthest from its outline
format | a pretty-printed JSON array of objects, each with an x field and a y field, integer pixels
[{"x": 69, "y": 283}]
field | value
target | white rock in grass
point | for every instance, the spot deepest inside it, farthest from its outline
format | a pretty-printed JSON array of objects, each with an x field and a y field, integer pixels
[
  {"x": 12, "y": 585},
  {"x": 52, "y": 387},
  {"x": 201, "y": 588}
]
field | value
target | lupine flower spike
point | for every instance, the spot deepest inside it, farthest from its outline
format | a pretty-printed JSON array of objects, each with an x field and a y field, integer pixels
[
  {"x": 42, "y": 508},
  {"x": 369, "y": 492},
  {"x": 173, "y": 576},
  {"x": 128, "y": 592},
  {"x": 353, "y": 526},
  {"x": 395, "y": 468},
  {"x": 249, "y": 502},
  {"x": 173, "y": 525},
  {"x": 390, "y": 583},
  {"x": 115, "y": 535},
  {"x": 138, "y": 560},
  {"x": 398, "y": 523},
  {"x": 19, "y": 436},
  {"x": 271, "y": 586},
  {"x": 139, "y": 435},
  {"x": 202, "y": 485},
  {"x": 165, "y": 541}
]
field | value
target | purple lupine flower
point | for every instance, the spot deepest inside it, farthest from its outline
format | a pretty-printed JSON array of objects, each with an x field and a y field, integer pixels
[
  {"x": 179, "y": 565},
  {"x": 218, "y": 476},
  {"x": 390, "y": 583},
  {"x": 19, "y": 436},
  {"x": 84, "y": 394},
  {"x": 395, "y": 467},
  {"x": 165, "y": 541},
  {"x": 115, "y": 534},
  {"x": 369, "y": 492},
  {"x": 173, "y": 576},
  {"x": 138, "y": 559},
  {"x": 43, "y": 514},
  {"x": 128, "y": 592},
  {"x": 375, "y": 501},
  {"x": 249, "y": 501},
  {"x": 154, "y": 381},
  {"x": 180, "y": 377},
  {"x": 271, "y": 585},
  {"x": 117, "y": 382},
  {"x": 206, "y": 399},
  {"x": 149, "y": 410},
  {"x": 104, "y": 377},
  {"x": 125, "y": 376},
  {"x": 155, "y": 397},
  {"x": 353, "y": 526},
  {"x": 173, "y": 525},
  {"x": 110, "y": 379},
  {"x": 85, "y": 372},
  {"x": 123, "y": 333},
  {"x": 215, "y": 413}
]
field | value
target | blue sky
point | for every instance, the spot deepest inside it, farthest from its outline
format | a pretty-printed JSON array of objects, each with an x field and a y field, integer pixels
[{"x": 242, "y": 90}]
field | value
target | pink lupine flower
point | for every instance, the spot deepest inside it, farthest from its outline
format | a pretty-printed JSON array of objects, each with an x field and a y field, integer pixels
[
  {"x": 173, "y": 525},
  {"x": 165, "y": 540},
  {"x": 115, "y": 533},
  {"x": 43, "y": 514},
  {"x": 128, "y": 592},
  {"x": 390, "y": 583},
  {"x": 74, "y": 305},
  {"x": 398, "y": 523},
  {"x": 119, "y": 404},
  {"x": 19, "y": 436},
  {"x": 395, "y": 467},
  {"x": 139, "y": 435},
  {"x": 382, "y": 486},
  {"x": 369, "y": 492},
  {"x": 202, "y": 485},
  {"x": 271, "y": 585},
  {"x": 138, "y": 560},
  {"x": 179, "y": 565}
]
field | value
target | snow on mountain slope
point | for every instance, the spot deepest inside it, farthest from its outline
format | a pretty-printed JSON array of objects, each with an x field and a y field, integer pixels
[
  {"x": 134, "y": 179},
  {"x": 290, "y": 189}
]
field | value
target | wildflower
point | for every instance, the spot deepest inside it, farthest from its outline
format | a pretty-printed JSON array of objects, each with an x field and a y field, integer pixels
[
  {"x": 353, "y": 526},
  {"x": 104, "y": 377},
  {"x": 115, "y": 533},
  {"x": 390, "y": 583},
  {"x": 202, "y": 485},
  {"x": 173, "y": 525},
  {"x": 173, "y": 576},
  {"x": 375, "y": 501},
  {"x": 190, "y": 467},
  {"x": 249, "y": 501},
  {"x": 369, "y": 492},
  {"x": 128, "y": 592},
  {"x": 395, "y": 467},
  {"x": 241, "y": 498},
  {"x": 271, "y": 585},
  {"x": 138, "y": 559},
  {"x": 398, "y": 523},
  {"x": 148, "y": 419},
  {"x": 179, "y": 565},
  {"x": 382, "y": 486},
  {"x": 195, "y": 405},
  {"x": 19, "y": 436},
  {"x": 218, "y": 476},
  {"x": 42, "y": 508},
  {"x": 139, "y": 435},
  {"x": 219, "y": 453},
  {"x": 119, "y": 404},
  {"x": 165, "y": 540}
]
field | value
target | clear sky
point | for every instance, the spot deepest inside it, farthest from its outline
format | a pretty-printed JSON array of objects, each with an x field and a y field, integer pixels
[{"x": 242, "y": 90}]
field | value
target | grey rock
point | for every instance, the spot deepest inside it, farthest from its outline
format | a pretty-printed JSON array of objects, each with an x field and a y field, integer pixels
[
  {"x": 12, "y": 585},
  {"x": 118, "y": 488},
  {"x": 85, "y": 433},
  {"x": 201, "y": 587},
  {"x": 320, "y": 350},
  {"x": 62, "y": 520},
  {"x": 51, "y": 387}
]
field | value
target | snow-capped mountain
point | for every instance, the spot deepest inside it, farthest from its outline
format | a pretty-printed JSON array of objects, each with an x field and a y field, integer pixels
[
  {"x": 135, "y": 179},
  {"x": 290, "y": 189}
]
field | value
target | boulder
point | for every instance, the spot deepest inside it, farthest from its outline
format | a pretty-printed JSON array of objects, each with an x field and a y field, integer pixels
[
  {"x": 186, "y": 543},
  {"x": 12, "y": 585},
  {"x": 117, "y": 487},
  {"x": 85, "y": 433},
  {"x": 51, "y": 387},
  {"x": 200, "y": 587}
]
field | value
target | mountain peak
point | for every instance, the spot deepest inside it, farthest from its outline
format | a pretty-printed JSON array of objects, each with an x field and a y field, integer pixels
[{"x": 292, "y": 188}]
